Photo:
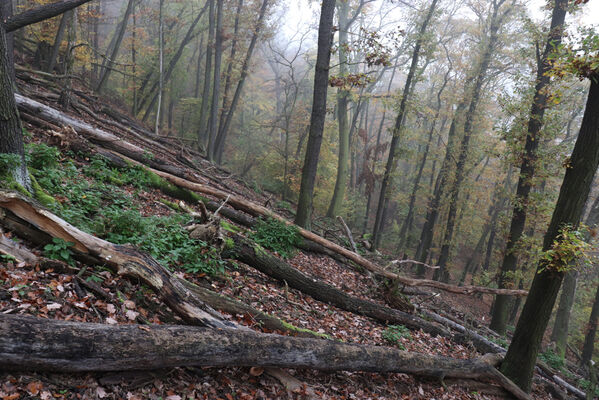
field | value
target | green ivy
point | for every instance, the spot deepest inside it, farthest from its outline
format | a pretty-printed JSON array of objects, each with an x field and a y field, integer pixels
[{"x": 394, "y": 333}]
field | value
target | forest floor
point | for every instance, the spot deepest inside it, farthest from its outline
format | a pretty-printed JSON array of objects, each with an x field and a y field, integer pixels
[{"x": 60, "y": 294}]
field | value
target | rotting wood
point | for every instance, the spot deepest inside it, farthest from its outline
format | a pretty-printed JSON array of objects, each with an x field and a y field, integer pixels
[
  {"x": 348, "y": 234},
  {"x": 38, "y": 344}
]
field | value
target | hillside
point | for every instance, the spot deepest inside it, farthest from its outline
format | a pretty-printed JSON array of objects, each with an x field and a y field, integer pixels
[{"x": 103, "y": 187}]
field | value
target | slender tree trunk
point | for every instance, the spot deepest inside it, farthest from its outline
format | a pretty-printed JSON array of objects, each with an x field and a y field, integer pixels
[
  {"x": 218, "y": 55},
  {"x": 201, "y": 54},
  {"x": 224, "y": 130},
  {"x": 161, "y": 66},
  {"x": 6, "y": 11},
  {"x": 521, "y": 357},
  {"x": 202, "y": 126},
  {"x": 342, "y": 118},
  {"x": 527, "y": 168},
  {"x": 589, "y": 339},
  {"x": 11, "y": 135},
  {"x": 134, "y": 62},
  {"x": 317, "y": 119},
  {"x": 57, "y": 43},
  {"x": 391, "y": 161},
  {"x": 119, "y": 34},
  {"x": 228, "y": 77}
]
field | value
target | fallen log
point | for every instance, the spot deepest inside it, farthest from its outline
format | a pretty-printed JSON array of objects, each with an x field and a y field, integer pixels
[
  {"x": 175, "y": 175},
  {"x": 124, "y": 259},
  {"x": 258, "y": 258},
  {"x": 38, "y": 344}
]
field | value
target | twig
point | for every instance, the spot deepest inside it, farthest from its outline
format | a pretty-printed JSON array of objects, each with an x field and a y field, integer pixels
[
  {"x": 394, "y": 262},
  {"x": 221, "y": 206},
  {"x": 348, "y": 234}
]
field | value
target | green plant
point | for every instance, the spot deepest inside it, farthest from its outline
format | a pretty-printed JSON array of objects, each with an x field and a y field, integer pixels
[
  {"x": 394, "y": 333},
  {"x": 41, "y": 156},
  {"x": 277, "y": 236},
  {"x": 552, "y": 359},
  {"x": 60, "y": 249},
  {"x": 568, "y": 246}
]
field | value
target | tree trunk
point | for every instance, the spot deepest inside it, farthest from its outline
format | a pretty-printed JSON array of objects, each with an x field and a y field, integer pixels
[
  {"x": 224, "y": 130},
  {"x": 522, "y": 353},
  {"x": 559, "y": 335},
  {"x": 120, "y": 34},
  {"x": 60, "y": 346},
  {"x": 228, "y": 79},
  {"x": 342, "y": 101},
  {"x": 11, "y": 132},
  {"x": 202, "y": 124},
  {"x": 161, "y": 66},
  {"x": 391, "y": 161},
  {"x": 589, "y": 339},
  {"x": 57, "y": 43},
  {"x": 527, "y": 167},
  {"x": 317, "y": 119},
  {"x": 218, "y": 56},
  {"x": 6, "y": 11}
]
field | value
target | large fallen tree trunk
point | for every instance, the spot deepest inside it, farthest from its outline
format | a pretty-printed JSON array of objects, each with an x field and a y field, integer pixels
[
  {"x": 178, "y": 177},
  {"x": 256, "y": 257},
  {"x": 31, "y": 343}
]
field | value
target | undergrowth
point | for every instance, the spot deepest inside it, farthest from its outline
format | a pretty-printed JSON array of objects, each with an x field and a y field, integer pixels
[
  {"x": 94, "y": 202},
  {"x": 277, "y": 236},
  {"x": 394, "y": 333}
]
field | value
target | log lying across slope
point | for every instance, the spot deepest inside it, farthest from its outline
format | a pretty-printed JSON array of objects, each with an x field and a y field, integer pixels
[
  {"x": 256, "y": 257},
  {"x": 178, "y": 177},
  {"x": 60, "y": 346}
]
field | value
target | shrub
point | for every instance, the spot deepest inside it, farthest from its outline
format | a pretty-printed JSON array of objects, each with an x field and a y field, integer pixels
[
  {"x": 394, "y": 333},
  {"x": 41, "y": 156}
]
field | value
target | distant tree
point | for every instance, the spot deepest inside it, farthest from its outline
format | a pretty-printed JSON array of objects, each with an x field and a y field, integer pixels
[
  {"x": 589, "y": 339},
  {"x": 319, "y": 110},
  {"x": 399, "y": 122}
]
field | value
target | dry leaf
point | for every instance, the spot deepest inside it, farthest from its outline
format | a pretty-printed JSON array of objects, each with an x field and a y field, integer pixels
[
  {"x": 131, "y": 315},
  {"x": 100, "y": 392},
  {"x": 110, "y": 308},
  {"x": 34, "y": 387},
  {"x": 111, "y": 321},
  {"x": 256, "y": 371}
]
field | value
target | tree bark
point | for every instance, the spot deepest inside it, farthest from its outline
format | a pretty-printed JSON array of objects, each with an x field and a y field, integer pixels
[
  {"x": 391, "y": 161},
  {"x": 527, "y": 167},
  {"x": 317, "y": 119},
  {"x": 11, "y": 133},
  {"x": 522, "y": 353},
  {"x": 6, "y": 11},
  {"x": 38, "y": 344},
  {"x": 559, "y": 334}
]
